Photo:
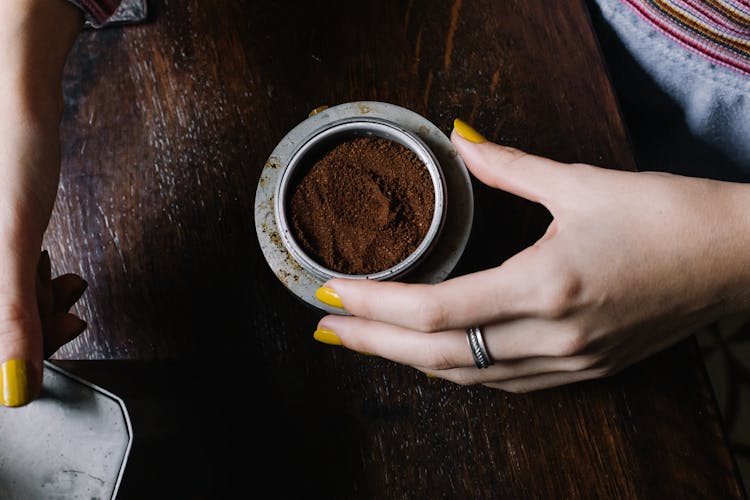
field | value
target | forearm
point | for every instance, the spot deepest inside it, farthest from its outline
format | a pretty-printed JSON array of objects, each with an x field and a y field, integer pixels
[{"x": 36, "y": 36}]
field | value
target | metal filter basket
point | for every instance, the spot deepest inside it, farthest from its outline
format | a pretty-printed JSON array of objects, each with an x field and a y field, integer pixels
[
  {"x": 439, "y": 252},
  {"x": 337, "y": 133}
]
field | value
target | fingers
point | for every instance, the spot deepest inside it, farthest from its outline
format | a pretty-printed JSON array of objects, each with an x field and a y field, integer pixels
[
  {"x": 66, "y": 290},
  {"x": 520, "y": 351},
  {"x": 488, "y": 296},
  {"x": 58, "y": 326},
  {"x": 531, "y": 337},
  {"x": 29, "y": 332},
  {"x": 59, "y": 294},
  {"x": 528, "y": 306},
  {"x": 59, "y": 329},
  {"x": 533, "y": 283},
  {"x": 532, "y": 177},
  {"x": 521, "y": 376},
  {"x": 44, "y": 297},
  {"x": 399, "y": 344},
  {"x": 546, "y": 380},
  {"x": 510, "y": 341},
  {"x": 20, "y": 354},
  {"x": 20, "y": 327}
]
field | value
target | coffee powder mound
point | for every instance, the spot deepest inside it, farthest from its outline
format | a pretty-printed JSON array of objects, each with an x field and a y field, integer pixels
[{"x": 363, "y": 207}]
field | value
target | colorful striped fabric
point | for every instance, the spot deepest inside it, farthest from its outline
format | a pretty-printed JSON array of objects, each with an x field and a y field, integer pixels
[
  {"x": 717, "y": 29},
  {"x": 98, "y": 11}
]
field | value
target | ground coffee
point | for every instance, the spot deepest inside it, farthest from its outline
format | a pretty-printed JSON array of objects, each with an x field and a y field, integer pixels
[{"x": 363, "y": 207}]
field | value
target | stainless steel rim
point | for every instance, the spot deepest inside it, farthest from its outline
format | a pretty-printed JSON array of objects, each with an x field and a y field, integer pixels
[
  {"x": 362, "y": 127},
  {"x": 459, "y": 217}
]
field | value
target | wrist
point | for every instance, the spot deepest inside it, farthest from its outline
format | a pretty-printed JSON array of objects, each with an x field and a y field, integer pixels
[{"x": 734, "y": 221}]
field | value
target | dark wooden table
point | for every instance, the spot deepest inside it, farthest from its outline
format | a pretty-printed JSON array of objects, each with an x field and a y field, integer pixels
[{"x": 166, "y": 129}]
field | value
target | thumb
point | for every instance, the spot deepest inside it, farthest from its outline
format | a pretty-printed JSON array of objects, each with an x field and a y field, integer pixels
[
  {"x": 20, "y": 326},
  {"x": 532, "y": 177}
]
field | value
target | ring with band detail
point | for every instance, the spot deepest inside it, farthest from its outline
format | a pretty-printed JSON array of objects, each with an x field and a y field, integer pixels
[{"x": 478, "y": 348}]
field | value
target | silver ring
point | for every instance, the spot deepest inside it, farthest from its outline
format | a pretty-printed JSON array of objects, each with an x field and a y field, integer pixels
[{"x": 478, "y": 348}]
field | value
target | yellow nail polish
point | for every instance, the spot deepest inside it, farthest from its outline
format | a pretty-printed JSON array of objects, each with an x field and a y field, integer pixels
[
  {"x": 467, "y": 131},
  {"x": 14, "y": 383},
  {"x": 430, "y": 375},
  {"x": 317, "y": 110},
  {"x": 328, "y": 296},
  {"x": 327, "y": 337}
]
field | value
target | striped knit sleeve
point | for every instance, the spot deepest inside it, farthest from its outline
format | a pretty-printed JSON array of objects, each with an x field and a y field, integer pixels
[
  {"x": 98, "y": 12},
  {"x": 716, "y": 29}
]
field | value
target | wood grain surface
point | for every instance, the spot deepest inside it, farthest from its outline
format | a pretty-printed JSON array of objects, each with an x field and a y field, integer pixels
[{"x": 166, "y": 129}]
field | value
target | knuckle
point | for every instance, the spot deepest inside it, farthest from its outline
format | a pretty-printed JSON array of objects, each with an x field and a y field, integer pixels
[
  {"x": 15, "y": 318},
  {"x": 571, "y": 343},
  {"x": 513, "y": 155},
  {"x": 460, "y": 377},
  {"x": 598, "y": 362},
  {"x": 583, "y": 363},
  {"x": 561, "y": 295},
  {"x": 18, "y": 327},
  {"x": 430, "y": 315},
  {"x": 437, "y": 361}
]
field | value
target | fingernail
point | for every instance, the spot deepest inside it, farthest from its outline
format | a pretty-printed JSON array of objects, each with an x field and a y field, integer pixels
[
  {"x": 328, "y": 296},
  {"x": 467, "y": 131},
  {"x": 327, "y": 337},
  {"x": 14, "y": 383},
  {"x": 430, "y": 375},
  {"x": 317, "y": 110},
  {"x": 44, "y": 267}
]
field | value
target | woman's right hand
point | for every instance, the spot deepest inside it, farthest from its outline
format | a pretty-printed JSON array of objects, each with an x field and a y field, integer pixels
[{"x": 631, "y": 264}]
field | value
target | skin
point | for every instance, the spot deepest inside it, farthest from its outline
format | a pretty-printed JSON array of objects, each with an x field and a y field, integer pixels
[
  {"x": 631, "y": 264},
  {"x": 34, "y": 319}
]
